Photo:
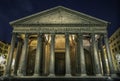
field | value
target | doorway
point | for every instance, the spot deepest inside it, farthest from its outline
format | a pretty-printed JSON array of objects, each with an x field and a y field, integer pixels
[{"x": 60, "y": 64}]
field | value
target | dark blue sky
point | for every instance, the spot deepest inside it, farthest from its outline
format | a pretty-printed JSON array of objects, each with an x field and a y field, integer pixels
[{"x": 13, "y": 9}]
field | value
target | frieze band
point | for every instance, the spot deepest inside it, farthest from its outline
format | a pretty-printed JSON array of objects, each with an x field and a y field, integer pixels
[{"x": 61, "y": 29}]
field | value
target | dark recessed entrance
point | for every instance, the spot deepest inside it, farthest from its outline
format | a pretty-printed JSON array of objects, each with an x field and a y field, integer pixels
[{"x": 60, "y": 64}]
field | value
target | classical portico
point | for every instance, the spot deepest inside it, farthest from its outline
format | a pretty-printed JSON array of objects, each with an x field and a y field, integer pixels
[{"x": 63, "y": 42}]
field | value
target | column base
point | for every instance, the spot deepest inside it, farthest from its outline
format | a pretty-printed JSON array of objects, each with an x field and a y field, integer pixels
[
  {"x": 7, "y": 75},
  {"x": 114, "y": 75},
  {"x": 14, "y": 74},
  {"x": 20, "y": 74},
  {"x": 68, "y": 75},
  {"x": 106, "y": 74},
  {"x": 83, "y": 75},
  {"x": 77, "y": 74},
  {"x": 51, "y": 75},
  {"x": 36, "y": 74},
  {"x": 98, "y": 74}
]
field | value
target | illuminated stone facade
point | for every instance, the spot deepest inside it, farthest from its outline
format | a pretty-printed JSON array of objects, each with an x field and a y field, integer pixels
[
  {"x": 60, "y": 42},
  {"x": 4, "y": 49},
  {"x": 114, "y": 42}
]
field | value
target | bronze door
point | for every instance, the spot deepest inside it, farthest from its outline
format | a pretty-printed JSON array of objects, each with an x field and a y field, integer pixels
[{"x": 60, "y": 64}]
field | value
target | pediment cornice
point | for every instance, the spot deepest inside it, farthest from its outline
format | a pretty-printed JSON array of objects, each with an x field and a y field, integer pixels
[{"x": 59, "y": 16}]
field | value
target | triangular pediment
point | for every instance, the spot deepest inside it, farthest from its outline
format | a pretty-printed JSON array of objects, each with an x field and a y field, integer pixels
[{"x": 59, "y": 15}]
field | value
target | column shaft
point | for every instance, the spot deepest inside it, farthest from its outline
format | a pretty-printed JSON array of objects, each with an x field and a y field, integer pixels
[
  {"x": 45, "y": 60},
  {"x": 82, "y": 56},
  {"x": 10, "y": 57},
  {"x": 104, "y": 64},
  {"x": 38, "y": 56},
  {"x": 111, "y": 66},
  {"x": 23, "y": 60},
  {"x": 52, "y": 56},
  {"x": 78, "y": 57},
  {"x": 96, "y": 59},
  {"x": 67, "y": 56},
  {"x": 18, "y": 52},
  {"x": 43, "y": 57}
]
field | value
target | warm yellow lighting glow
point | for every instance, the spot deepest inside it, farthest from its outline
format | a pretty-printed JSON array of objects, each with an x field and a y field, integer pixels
[
  {"x": 2, "y": 60},
  {"x": 13, "y": 62}
]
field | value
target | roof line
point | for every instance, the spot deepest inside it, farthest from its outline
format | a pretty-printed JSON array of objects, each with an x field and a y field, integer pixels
[
  {"x": 34, "y": 14},
  {"x": 84, "y": 14},
  {"x": 12, "y": 22}
]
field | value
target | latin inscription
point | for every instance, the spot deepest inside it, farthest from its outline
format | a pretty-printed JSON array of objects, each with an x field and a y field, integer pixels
[{"x": 59, "y": 29}]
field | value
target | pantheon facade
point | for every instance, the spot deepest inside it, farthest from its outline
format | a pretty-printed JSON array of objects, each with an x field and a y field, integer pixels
[{"x": 60, "y": 42}]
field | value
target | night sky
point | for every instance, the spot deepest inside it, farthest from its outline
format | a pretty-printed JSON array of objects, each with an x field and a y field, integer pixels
[{"x": 11, "y": 10}]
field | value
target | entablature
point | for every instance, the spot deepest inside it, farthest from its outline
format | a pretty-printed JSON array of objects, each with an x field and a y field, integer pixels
[{"x": 60, "y": 29}]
